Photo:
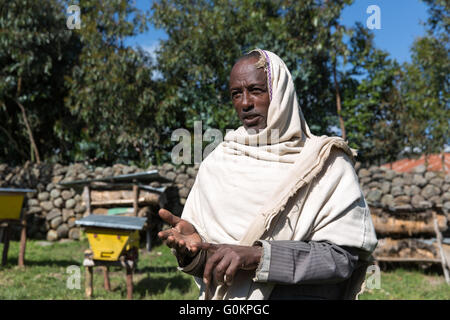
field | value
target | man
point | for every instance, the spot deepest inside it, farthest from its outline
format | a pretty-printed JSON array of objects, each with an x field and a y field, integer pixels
[{"x": 275, "y": 212}]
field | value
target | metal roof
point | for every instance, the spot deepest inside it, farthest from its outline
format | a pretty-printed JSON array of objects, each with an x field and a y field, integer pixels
[
  {"x": 114, "y": 222},
  {"x": 13, "y": 190},
  {"x": 142, "y": 177}
]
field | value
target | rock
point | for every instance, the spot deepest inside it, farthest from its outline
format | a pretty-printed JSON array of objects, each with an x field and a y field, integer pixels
[
  {"x": 374, "y": 185},
  {"x": 387, "y": 201},
  {"x": 55, "y": 193},
  {"x": 398, "y": 181},
  {"x": 181, "y": 169},
  {"x": 34, "y": 210},
  {"x": 168, "y": 166},
  {"x": 425, "y": 205},
  {"x": 190, "y": 183},
  {"x": 403, "y": 207},
  {"x": 43, "y": 196},
  {"x": 446, "y": 187},
  {"x": 74, "y": 234},
  {"x": 182, "y": 201},
  {"x": 446, "y": 206},
  {"x": 32, "y": 202},
  {"x": 419, "y": 180},
  {"x": 374, "y": 195},
  {"x": 55, "y": 222},
  {"x": 378, "y": 176},
  {"x": 430, "y": 175},
  {"x": 420, "y": 169},
  {"x": 390, "y": 174},
  {"x": 436, "y": 200},
  {"x": 53, "y": 214},
  {"x": 52, "y": 235},
  {"x": 401, "y": 200},
  {"x": 47, "y": 205},
  {"x": 191, "y": 172},
  {"x": 63, "y": 231},
  {"x": 446, "y": 197},
  {"x": 365, "y": 181},
  {"x": 107, "y": 172},
  {"x": 386, "y": 187},
  {"x": 50, "y": 186},
  {"x": 430, "y": 191},
  {"x": 407, "y": 178},
  {"x": 57, "y": 179},
  {"x": 170, "y": 176},
  {"x": 184, "y": 192},
  {"x": 155, "y": 184},
  {"x": 416, "y": 200},
  {"x": 181, "y": 178},
  {"x": 374, "y": 169},
  {"x": 363, "y": 173},
  {"x": 66, "y": 194},
  {"x": 67, "y": 213},
  {"x": 438, "y": 182},
  {"x": 58, "y": 203},
  {"x": 80, "y": 208},
  {"x": 70, "y": 203},
  {"x": 71, "y": 222},
  {"x": 415, "y": 190},
  {"x": 397, "y": 191}
]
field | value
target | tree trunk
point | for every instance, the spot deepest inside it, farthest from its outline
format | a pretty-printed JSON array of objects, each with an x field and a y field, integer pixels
[
  {"x": 27, "y": 124},
  {"x": 338, "y": 103}
]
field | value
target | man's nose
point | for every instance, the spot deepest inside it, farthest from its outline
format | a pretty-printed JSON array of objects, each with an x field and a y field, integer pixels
[{"x": 247, "y": 101}]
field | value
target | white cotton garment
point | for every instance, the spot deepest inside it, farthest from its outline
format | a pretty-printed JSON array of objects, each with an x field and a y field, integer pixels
[{"x": 282, "y": 183}]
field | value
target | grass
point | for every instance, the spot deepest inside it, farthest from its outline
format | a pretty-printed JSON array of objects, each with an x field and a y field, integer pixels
[{"x": 45, "y": 277}]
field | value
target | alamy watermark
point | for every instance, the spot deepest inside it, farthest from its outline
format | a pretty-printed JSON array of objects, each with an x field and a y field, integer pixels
[
  {"x": 374, "y": 20},
  {"x": 74, "y": 279},
  {"x": 74, "y": 19}
]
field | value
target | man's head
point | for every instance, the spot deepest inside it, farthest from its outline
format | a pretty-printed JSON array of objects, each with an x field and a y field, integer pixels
[{"x": 249, "y": 91}]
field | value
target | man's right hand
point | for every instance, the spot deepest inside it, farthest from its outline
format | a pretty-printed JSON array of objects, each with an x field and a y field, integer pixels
[{"x": 181, "y": 236}]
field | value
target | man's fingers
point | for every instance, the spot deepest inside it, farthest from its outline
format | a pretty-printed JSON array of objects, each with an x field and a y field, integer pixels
[
  {"x": 209, "y": 267},
  {"x": 231, "y": 271},
  {"x": 211, "y": 247},
  {"x": 221, "y": 268},
  {"x": 168, "y": 217}
]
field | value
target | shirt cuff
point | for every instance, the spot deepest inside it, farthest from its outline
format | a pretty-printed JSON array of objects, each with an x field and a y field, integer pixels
[{"x": 262, "y": 272}]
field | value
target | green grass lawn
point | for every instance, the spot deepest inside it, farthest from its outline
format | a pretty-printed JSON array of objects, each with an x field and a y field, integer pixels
[{"x": 45, "y": 277}]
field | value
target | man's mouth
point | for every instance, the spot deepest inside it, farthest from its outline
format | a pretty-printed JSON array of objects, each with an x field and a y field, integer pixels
[{"x": 251, "y": 120}]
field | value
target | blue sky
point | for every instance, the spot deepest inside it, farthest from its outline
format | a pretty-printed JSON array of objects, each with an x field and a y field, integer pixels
[{"x": 400, "y": 25}]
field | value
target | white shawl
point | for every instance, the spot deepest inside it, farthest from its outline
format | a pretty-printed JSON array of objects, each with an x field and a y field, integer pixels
[{"x": 287, "y": 186}]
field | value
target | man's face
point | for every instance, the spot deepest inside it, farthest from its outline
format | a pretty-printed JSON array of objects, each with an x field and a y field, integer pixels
[{"x": 249, "y": 93}]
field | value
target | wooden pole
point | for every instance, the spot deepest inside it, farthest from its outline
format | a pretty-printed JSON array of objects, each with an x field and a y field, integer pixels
[
  {"x": 87, "y": 198},
  {"x": 129, "y": 276},
  {"x": 135, "y": 199},
  {"x": 107, "y": 284},
  {"x": 5, "y": 245},
  {"x": 23, "y": 243},
  {"x": 89, "y": 282},
  {"x": 441, "y": 250}
]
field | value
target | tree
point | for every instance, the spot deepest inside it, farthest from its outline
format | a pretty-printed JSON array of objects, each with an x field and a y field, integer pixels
[
  {"x": 206, "y": 37},
  {"x": 36, "y": 52}
]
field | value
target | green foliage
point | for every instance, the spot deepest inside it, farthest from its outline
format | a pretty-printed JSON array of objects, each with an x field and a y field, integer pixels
[{"x": 88, "y": 97}]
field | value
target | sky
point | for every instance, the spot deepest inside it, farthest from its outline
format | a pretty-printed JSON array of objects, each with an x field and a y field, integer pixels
[{"x": 399, "y": 25}]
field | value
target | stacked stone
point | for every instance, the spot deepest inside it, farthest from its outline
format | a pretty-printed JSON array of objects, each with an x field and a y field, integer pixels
[
  {"x": 52, "y": 210},
  {"x": 403, "y": 191}
]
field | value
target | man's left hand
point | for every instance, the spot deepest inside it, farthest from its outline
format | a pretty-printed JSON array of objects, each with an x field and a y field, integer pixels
[{"x": 224, "y": 260}]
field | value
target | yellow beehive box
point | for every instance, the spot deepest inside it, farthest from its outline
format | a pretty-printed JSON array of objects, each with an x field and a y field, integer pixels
[
  {"x": 110, "y": 236},
  {"x": 11, "y": 201},
  {"x": 108, "y": 244}
]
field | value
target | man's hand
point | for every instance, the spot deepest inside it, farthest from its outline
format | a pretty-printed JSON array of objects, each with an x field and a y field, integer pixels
[
  {"x": 181, "y": 236},
  {"x": 224, "y": 260}
]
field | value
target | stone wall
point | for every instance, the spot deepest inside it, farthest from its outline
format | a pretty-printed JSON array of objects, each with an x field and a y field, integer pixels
[{"x": 52, "y": 210}]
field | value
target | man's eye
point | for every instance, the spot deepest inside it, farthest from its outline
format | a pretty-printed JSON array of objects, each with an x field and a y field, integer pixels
[{"x": 235, "y": 94}]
